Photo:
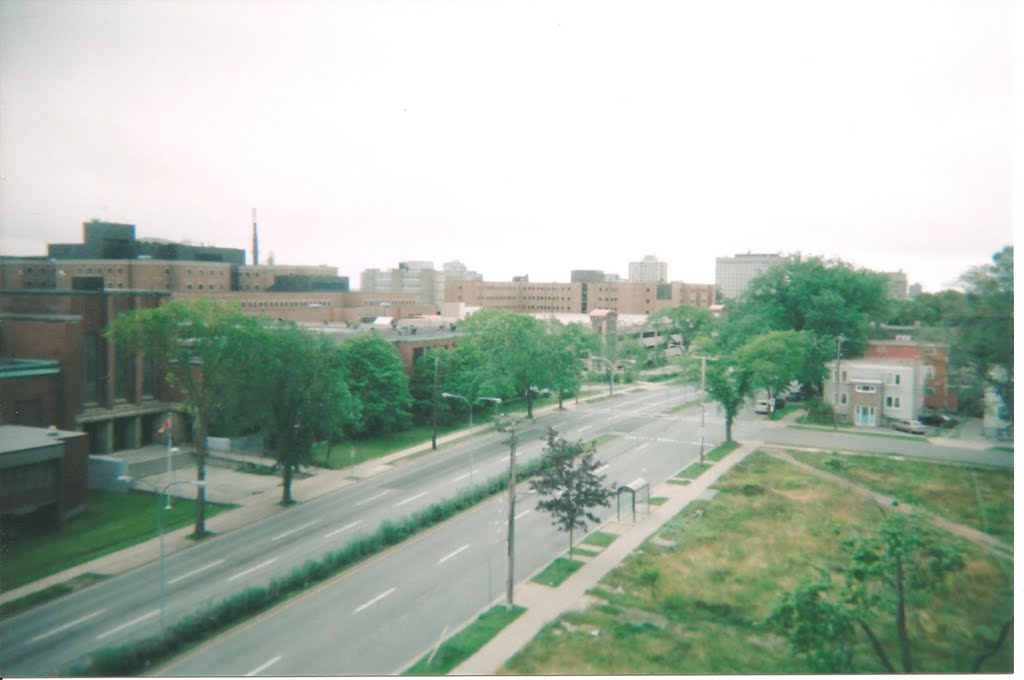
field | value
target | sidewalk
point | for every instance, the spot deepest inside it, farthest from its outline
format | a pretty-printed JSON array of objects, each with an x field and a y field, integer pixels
[
  {"x": 544, "y": 604},
  {"x": 258, "y": 496}
]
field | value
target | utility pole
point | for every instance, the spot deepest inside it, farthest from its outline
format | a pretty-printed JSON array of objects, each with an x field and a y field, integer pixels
[
  {"x": 703, "y": 380},
  {"x": 512, "y": 424},
  {"x": 433, "y": 414},
  {"x": 835, "y": 401}
]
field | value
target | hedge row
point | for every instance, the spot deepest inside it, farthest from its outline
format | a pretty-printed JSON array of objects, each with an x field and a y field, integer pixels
[{"x": 136, "y": 657}]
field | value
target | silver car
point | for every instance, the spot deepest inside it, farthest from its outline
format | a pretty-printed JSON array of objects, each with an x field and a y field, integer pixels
[{"x": 911, "y": 426}]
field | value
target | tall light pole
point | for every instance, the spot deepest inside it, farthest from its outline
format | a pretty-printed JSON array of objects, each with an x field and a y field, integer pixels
[
  {"x": 158, "y": 492},
  {"x": 449, "y": 395},
  {"x": 703, "y": 381}
]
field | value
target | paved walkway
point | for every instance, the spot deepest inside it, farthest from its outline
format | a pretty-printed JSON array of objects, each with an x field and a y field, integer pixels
[{"x": 544, "y": 604}]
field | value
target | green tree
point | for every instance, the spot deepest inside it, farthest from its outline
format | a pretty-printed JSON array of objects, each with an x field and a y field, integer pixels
[
  {"x": 568, "y": 344},
  {"x": 515, "y": 347},
  {"x": 306, "y": 400},
  {"x": 373, "y": 371},
  {"x": 885, "y": 573},
  {"x": 687, "y": 322},
  {"x": 205, "y": 350},
  {"x": 775, "y": 359},
  {"x": 828, "y": 298},
  {"x": 570, "y": 485},
  {"x": 987, "y": 331}
]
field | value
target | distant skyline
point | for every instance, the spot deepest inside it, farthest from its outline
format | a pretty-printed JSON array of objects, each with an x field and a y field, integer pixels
[{"x": 517, "y": 137}]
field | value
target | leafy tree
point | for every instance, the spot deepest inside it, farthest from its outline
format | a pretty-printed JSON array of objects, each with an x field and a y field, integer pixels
[
  {"x": 421, "y": 386},
  {"x": 305, "y": 397},
  {"x": 688, "y": 322},
  {"x": 819, "y": 629},
  {"x": 885, "y": 572},
  {"x": 728, "y": 384},
  {"x": 570, "y": 484},
  {"x": 568, "y": 344},
  {"x": 373, "y": 371},
  {"x": 988, "y": 325},
  {"x": 515, "y": 347},
  {"x": 205, "y": 351},
  {"x": 775, "y": 359},
  {"x": 828, "y": 298}
]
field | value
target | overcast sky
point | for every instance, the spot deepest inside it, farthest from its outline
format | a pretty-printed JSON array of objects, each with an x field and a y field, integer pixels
[{"x": 518, "y": 137}]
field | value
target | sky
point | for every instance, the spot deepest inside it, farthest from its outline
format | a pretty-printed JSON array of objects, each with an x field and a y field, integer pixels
[{"x": 517, "y": 137}]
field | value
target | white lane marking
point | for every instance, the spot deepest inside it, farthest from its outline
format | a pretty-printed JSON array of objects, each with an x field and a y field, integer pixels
[
  {"x": 118, "y": 629},
  {"x": 412, "y": 498},
  {"x": 524, "y": 512},
  {"x": 601, "y": 469},
  {"x": 373, "y": 601},
  {"x": 642, "y": 446},
  {"x": 211, "y": 565},
  {"x": 584, "y": 428},
  {"x": 460, "y": 477},
  {"x": 373, "y": 498},
  {"x": 452, "y": 554},
  {"x": 252, "y": 569},
  {"x": 61, "y": 629},
  {"x": 292, "y": 531},
  {"x": 344, "y": 528},
  {"x": 264, "y": 667}
]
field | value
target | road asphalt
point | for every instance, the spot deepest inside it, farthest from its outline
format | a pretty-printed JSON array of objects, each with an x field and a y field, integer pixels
[{"x": 259, "y": 496}]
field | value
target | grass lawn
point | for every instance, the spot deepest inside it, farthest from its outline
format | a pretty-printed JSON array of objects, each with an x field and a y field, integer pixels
[
  {"x": 978, "y": 496},
  {"x": 110, "y": 522},
  {"x": 682, "y": 407},
  {"x": 722, "y": 450},
  {"x": 659, "y": 500},
  {"x": 602, "y": 539},
  {"x": 466, "y": 642},
  {"x": 339, "y": 455},
  {"x": 693, "y": 471},
  {"x": 556, "y": 572},
  {"x": 696, "y": 601}
]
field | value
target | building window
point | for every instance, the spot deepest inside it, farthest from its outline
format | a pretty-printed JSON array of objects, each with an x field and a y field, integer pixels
[
  {"x": 892, "y": 378},
  {"x": 867, "y": 389},
  {"x": 842, "y": 399},
  {"x": 892, "y": 402}
]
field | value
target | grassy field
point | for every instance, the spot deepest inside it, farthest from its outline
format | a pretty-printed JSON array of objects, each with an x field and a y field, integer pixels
[
  {"x": 110, "y": 522},
  {"x": 978, "y": 496},
  {"x": 695, "y": 601},
  {"x": 555, "y": 573}
]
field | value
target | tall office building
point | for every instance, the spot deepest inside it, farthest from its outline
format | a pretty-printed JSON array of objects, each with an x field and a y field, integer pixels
[
  {"x": 648, "y": 270},
  {"x": 734, "y": 274}
]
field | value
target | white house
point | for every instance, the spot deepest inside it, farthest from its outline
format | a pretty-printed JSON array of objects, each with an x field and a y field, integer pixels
[{"x": 873, "y": 392}]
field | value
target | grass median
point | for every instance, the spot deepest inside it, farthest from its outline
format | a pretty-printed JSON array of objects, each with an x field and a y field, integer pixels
[{"x": 466, "y": 642}]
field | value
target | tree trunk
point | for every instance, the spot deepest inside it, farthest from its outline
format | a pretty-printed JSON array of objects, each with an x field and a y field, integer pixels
[
  {"x": 286, "y": 483},
  {"x": 529, "y": 404},
  {"x": 877, "y": 646},
  {"x": 728, "y": 427},
  {"x": 570, "y": 544},
  {"x": 200, "y": 434}
]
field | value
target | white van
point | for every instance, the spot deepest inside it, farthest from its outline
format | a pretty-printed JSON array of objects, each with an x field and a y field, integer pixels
[{"x": 763, "y": 406}]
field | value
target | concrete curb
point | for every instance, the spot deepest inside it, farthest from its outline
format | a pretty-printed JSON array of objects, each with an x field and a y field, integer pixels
[{"x": 545, "y": 604}]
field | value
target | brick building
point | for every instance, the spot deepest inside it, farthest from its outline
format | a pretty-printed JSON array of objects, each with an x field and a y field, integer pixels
[{"x": 41, "y": 470}]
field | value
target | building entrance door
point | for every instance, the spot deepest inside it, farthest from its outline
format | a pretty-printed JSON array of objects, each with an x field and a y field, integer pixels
[{"x": 865, "y": 415}]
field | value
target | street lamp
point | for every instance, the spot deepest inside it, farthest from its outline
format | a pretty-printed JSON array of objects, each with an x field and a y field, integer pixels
[
  {"x": 510, "y": 425},
  {"x": 160, "y": 532},
  {"x": 496, "y": 400}
]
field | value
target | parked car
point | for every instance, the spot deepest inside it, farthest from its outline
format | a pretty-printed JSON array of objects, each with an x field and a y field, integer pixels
[
  {"x": 937, "y": 419},
  {"x": 779, "y": 403},
  {"x": 911, "y": 426},
  {"x": 763, "y": 406}
]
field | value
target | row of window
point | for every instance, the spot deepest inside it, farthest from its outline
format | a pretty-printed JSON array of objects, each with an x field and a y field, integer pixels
[
  {"x": 890, "y": 401},
  {"x": 32, "y": 476}
]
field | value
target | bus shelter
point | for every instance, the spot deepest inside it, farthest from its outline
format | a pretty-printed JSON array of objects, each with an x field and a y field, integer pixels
[{"x": 638, "y": 485}]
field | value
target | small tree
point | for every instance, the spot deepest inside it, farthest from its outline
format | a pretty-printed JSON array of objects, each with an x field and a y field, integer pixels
[
  {"x": 570, "y": 484},
  {"x": 885, "y": 572}
]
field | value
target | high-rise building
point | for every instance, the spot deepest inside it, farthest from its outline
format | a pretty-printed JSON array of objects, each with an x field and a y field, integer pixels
[
  {"x": 734, "y": 274},
  {"x": 648, "y": 270},
  {"x": 415, "y": 277},
  {"x": 897, "y": 285}
]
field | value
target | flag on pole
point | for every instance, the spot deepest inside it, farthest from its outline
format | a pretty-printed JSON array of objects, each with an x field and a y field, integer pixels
[{"x": 165, "y": 426}]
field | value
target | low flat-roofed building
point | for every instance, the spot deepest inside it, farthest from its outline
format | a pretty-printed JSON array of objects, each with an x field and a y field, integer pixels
[{"x": 42, "y": 469}]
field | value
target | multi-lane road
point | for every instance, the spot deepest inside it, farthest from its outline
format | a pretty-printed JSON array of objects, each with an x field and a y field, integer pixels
[{"x": 382, "y": 615}]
